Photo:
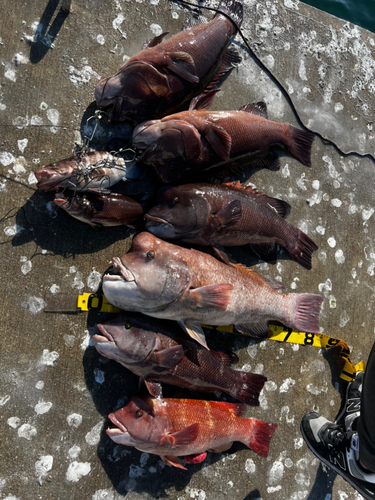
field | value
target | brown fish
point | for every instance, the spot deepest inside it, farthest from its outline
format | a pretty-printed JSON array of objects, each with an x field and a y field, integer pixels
[
  {"x": 155, "y": 352},
  {"x": 228, "y": 215},
  {"x": 98, "y": 210},
  {"x": 178, "y": 427},
  {"x": 167, "y": 281},
  {"x": 94, "y": 171},
  {"x": 199, "y": 140},
  {"x": 163, "y": 77}
]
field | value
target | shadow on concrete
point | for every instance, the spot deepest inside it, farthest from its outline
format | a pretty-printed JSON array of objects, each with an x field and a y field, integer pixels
[
  {"x": 253, "y": 495},
  {"x": 127, "y": 468},
  {"x": 46, "y": 34},
  {"x": 323, "y": 484}
]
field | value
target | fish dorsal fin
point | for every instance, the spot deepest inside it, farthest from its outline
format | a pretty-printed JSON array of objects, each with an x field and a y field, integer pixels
[
  {"x": 281, "y": 207},
  {"x": 254, "y": 275},
  {"x": 230, "y": 61},
  {"x": 220, "y": 141},
  {"x": 256, "y": 108},
  {"x": 203, "y": 101},
  {"x": 195, "y": 19},
  {"x": 183, "y": 65},
  {"x": 154, "y": 388},
  {"x": 237, "y": 409},
  {"x": 152, "y": 42}
]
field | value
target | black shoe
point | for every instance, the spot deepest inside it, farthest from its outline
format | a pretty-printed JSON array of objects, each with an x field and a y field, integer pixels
[
  {"x": 351, "y": 406},
  {"x": 337, "y": 448}
]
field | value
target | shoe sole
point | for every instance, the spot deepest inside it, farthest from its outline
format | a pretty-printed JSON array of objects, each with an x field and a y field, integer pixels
[{"x": 366, "y": 494}]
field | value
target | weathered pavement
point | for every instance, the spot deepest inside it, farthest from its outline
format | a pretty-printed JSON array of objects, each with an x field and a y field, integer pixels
[{"x": 55, "y": 390}]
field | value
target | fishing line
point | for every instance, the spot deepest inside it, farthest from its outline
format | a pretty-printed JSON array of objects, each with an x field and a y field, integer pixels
[{"x": 275, "y": 80}]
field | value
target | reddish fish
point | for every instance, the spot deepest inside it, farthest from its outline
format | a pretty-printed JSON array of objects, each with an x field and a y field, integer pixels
[
  {"x": 98, "y": 210},
  {"x": 178, "y": 427},
  {"x": 228, "y": 215},
  {"x": 162, "y": 78},
  {"x": 167, "y": 281},
  {"x": 155, "y": 352},
  {"x": 199, "y": 139},
  {"x": 94, "y": 171}
]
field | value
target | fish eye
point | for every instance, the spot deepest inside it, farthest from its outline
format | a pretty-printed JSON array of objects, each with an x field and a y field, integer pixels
[
  {"x": 151, "y": 254},
  {"x": 138, "y": 413},
  {"x": 172, "y": 164},
  {"x": 174, "y": 200},
  {"x": 128, "y": 326},
  {"x": 53, "y": 165}
]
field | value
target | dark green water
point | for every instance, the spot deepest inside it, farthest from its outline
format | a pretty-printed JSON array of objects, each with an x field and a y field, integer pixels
[{"x": 360, "y": 12}]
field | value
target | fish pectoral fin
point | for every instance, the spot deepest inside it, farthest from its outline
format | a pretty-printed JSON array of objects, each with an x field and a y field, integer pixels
[
  {"x": 230, "y": 214},
  {"x": 167, "y": 358},
  {"x": 194, "y": 329},
  {"x": 220, "y": 141},
  {"x": 172, "y": 461},
  {"x": 154, "y": 388},
  {"x": 220, "y": 449},
  {"x": 183, "y": 65},
  {"x": 256, "y": 108},
  {"x": 152, "y": 42},
  {"x": 213, "y": 296},
  {"x": 203, "y": 101},
  {"x": 254, "y": 329},
  {"x": 184, "y": 437}
]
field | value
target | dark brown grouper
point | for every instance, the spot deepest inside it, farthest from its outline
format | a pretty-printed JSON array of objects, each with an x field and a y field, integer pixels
[
  {"x": 199, "y": 139},
  {"x": 98, "y": 210},
  {"x": 228, "y": 215},
  {"x": 155, "y": 351},
  {"x": 163, "y": 77},
  {"x": 167, "y": 281}
]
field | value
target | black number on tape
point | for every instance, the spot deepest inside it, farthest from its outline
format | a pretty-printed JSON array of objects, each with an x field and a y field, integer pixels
[
  {"x": 309, "y": 338},
  {"x": 288, "y": 335}
]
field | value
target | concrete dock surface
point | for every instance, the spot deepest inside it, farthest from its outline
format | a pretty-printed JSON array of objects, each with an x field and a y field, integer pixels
[{"x": 56, "y": 391}]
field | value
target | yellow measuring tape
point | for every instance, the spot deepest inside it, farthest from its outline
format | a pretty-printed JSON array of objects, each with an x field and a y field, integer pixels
[{"x": 98, "y": 302}]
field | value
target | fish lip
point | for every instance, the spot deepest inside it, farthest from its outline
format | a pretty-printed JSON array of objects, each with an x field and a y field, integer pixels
[
  {"x": 152, "y": 220},
  {"x": 124, "y": 272},
  {"x": 105, "y": 336},
  {"x": 119, "y": 429}
]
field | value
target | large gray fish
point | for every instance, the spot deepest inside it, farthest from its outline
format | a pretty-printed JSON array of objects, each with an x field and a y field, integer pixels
[
  {"x": 156, "y": 352},
  {"x": 164, "y": 77},
  {"x": 167, "y": 281},
  {"x": 94, "y": 171},
  {"x": 228, "y": 215},
  {"x": 198, "y": 140},
  {"x": 99, "y": 210}
]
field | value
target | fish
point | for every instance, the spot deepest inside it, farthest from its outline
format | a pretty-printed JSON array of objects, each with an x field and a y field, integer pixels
[
  {"x": 163, "y": 77},
  {"x": 155, "y": 352},
  {"x": 164, "y": 280},
  {"x": 199, "y": 140},
  {"x": 94, "y": 171},
  {"x": 98, "y": 210},
  {"x": 180, "y": 427},
  {"x": 227, "y": 214}
]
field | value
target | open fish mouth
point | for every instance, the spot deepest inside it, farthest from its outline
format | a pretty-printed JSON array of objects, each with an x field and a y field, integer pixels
[
  {"x": 118, "y": 272},
  {"x": 118, "y": 430}
]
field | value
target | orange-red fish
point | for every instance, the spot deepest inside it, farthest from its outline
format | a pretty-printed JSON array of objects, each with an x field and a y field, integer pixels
[
  {"x": 198, "y": 140},
  {"x": 164, "y": 77},
  {"x": 167, "y": 281},
  {"x": 178, "y": 427}
]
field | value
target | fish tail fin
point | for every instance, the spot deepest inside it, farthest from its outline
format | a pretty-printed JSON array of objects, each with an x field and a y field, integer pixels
[
  {"x": 233, "y": 9},
  {"x": 249, "y": 387},
  {"x": 262, "y": 433},
  {"x": 306, "y": 312},
  {"x": 300, "y": 145},
  {"x": 301, "y": 248}
]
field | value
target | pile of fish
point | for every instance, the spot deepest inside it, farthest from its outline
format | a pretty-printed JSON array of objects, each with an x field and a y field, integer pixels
[{"x": 165, "y": 92}]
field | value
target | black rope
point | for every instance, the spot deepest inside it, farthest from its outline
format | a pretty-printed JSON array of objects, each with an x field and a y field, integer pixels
[{"x": 275, "y": 80}]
